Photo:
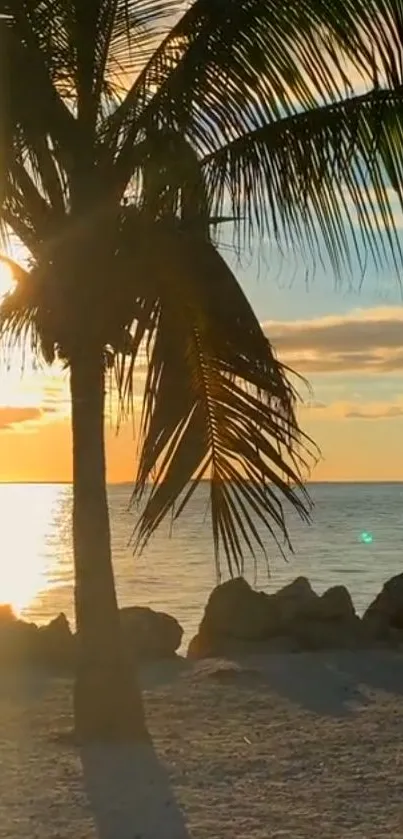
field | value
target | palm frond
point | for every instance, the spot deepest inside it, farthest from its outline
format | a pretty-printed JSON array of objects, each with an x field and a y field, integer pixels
[
  {"x": 112, "y": 40},
  {"x": 17, "y": 317},
  {"x": 24, "y": 323},
  {"x": 326, "y": 178},
  {"x": 217, "y": 405},
  {"x": 32, "y": 54},
  {"x": 220, "y": 73},
  {"x": 139, "y": 27}
]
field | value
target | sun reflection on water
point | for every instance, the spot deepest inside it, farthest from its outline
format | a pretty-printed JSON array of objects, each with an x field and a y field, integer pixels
[
  {"x": 176, "y": 572},
  {"x": 26, "y": 561}
]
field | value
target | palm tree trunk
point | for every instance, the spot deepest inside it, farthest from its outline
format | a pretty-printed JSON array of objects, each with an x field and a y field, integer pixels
[{"x": 107, "y": 700}]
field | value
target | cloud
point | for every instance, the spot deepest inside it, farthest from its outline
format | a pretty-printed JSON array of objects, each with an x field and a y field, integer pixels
[
  {"x": 26, "y": 418},
  {"x": 353, "y": 410},
  {"x": 314, "y": 405},
  {"x": 388, "y": 413},
  {"x": 369, "y": 341},
  {"x": 11, "y": 416}
]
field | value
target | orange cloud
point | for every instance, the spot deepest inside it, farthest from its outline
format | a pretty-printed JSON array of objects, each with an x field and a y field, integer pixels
[
  {"x": 25, "y": 418},
  {"x": 11, "y": 416}
]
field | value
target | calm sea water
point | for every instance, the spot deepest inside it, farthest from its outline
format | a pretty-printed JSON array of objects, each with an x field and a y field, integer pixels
[{"x": 176, "y": 572}]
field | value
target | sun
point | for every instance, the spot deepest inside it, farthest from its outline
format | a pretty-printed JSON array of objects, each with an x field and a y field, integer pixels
[{"x": 7, "y": 281}]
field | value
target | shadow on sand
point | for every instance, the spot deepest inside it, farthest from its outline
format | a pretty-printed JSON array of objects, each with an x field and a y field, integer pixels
[
  {"x": 130, "y": 794},
  {"x": 325, "y": 683},
  {"x": 310, "y": 681},
  {"x": 380, "y": 669},
  {"x": 315, "y": 682}
]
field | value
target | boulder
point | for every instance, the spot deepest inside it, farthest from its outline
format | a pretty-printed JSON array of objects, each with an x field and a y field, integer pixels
[
  {"x": 201, "y": 646},
  {"x": 329, "y": 634},
  {"x": 17, "y": 639},
  {"x": 149, "y": 634},
  {"x": 234, "y": 615},
  {"x": 55, "y": 645},
  {"x": 238, "y": 619},
  {"x": 331, "y": 623},
  {"x": 296, "y": 601},
  {"x": 235, "y": 610},
  {"x": 383, "y": 619},
  {"x": 336, "y": 605},
  {"x": 23, "y": 643}
]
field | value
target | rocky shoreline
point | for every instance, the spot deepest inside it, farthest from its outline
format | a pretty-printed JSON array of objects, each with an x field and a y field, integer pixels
[
  {"x": 237, "y": 621},
  {"x": 147, "y": 635}
]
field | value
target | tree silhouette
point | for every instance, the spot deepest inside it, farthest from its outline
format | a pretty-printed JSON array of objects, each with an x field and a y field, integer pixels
[{"x": 131, "y": 132}]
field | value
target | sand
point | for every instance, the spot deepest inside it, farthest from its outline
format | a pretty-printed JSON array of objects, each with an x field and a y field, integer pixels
[{"x": 307, "y": 745}]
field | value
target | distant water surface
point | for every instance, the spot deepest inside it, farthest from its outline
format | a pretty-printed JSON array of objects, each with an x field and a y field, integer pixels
[{"x": 177, "y": 572}]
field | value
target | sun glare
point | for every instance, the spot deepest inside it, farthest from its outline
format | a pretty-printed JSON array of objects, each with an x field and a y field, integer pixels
[
  {"x": 7, "y": 281},
  {"x": 20, "y": 587},
  {"x": 25, "y": 517}
]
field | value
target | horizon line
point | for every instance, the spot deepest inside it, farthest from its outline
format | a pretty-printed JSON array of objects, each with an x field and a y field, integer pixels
[{"x": 32, "y": 482}]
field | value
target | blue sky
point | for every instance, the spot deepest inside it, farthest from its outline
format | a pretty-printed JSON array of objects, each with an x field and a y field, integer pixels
[{"x": 356, "y": 414}]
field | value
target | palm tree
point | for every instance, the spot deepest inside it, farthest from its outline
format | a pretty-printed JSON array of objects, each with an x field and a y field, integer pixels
[{"x": 132, "y": 130}]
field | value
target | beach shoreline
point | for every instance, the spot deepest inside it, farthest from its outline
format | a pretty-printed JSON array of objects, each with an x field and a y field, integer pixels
[{"x": 299, "y": 745}]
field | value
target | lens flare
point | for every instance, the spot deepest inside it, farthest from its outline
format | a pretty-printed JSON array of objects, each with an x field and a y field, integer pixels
[{"x": 366, "y": 537}]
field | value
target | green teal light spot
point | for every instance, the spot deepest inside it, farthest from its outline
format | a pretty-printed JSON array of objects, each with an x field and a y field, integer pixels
[{"x": 366, "y": 538}]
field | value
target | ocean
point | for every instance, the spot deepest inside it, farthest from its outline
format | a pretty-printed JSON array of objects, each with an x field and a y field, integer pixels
[{"x": 355, "y": 539}]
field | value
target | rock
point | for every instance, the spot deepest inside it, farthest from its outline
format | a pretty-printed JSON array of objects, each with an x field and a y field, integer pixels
[
  {"x": 281, "y": 644},
  {"x": 23, "y": 643},
  {"x": 329, "y": 634},
  {"x": 331, "y": 624},
  {"x": 225, "y": 647},
  {"x": 200, "y": 646},
  {"x": 234, "y": 617},
  {"x": 238, "y": 619},
  {"x": 336, "y": 605},
  {"x": 149, "y": 634},
  {"x": 383, "y": 619},
  {"x": 17, "y": 639},
  {"x": 235, "y": 610},
  {"x": 296, "y": 601},
  {"x": 55, "y": 645}
]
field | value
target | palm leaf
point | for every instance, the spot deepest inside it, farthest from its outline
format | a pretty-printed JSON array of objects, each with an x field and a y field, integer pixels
[
  {"x": 18, "y": 315},
  {"x": 328, "y": 177},
  {"x": 32, "y": 54},
  {"x": 217, "y": 405},
  {"x": 112, "y": 40},
  {"x": 219, "y": 72}
]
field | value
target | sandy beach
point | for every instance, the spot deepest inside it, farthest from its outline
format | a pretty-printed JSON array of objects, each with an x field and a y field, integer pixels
[{"x": 307, "y": 745}]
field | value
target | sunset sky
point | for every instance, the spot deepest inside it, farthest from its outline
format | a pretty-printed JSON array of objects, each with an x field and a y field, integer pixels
[{"x": 347, "y": 342}]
